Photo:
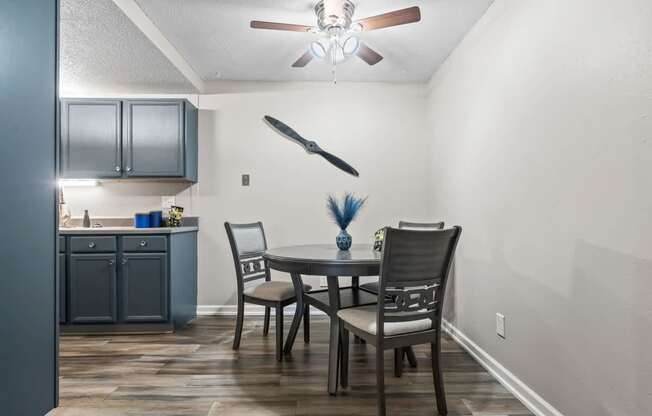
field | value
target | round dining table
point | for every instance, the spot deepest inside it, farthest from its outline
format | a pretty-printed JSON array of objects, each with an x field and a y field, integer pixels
[{"x": 327, "y": 260}]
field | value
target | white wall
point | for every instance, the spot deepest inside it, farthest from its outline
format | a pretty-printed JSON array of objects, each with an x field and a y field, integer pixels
[
  {"x": 541, "y": 123},
  {"x": 377, "y": 128},
  {"x": 121, "y": 199}
]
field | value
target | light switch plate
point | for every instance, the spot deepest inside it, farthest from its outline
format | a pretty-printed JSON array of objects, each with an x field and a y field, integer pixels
[
  {"x": 500, "y": 325},
  {"x": 245, "y": 179}
]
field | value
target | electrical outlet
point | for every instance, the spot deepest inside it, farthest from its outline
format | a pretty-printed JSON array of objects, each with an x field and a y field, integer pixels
[
  {"x": 245, "y": 179},
  {"x": 167, "y": 202},
  {"x": 500, "y": 325}
]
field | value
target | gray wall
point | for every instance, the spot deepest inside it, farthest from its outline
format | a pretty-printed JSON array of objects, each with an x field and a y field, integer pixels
[{"x": 541, "y": 125}]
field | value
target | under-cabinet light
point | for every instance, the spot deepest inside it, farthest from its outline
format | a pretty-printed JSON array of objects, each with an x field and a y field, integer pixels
[{"x": 79, "y": 183}]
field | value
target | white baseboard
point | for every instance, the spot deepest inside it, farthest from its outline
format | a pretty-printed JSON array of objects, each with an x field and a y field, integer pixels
[
  {"x": 250, "y": 310},
  {"x": 518, "y": 388}
]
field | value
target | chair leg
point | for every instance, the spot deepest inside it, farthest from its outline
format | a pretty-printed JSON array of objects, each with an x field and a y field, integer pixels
[
  {"x": 344, "y": 362},
  {"x": 266, "y": 323},
  {"x": 438, "y": 378},
  {"x": 279, "y": 333},
  {"x": 239, "y": 321},
  {"x": 398, "y": 362},
  {"x": 380, "y": 381},
  {"x": 294, "y": 328},
  {"x": 306, "y": 323},
  {"x": 411, "y": 356}
]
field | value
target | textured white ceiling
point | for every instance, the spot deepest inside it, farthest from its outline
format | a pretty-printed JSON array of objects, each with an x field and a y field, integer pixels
[
  {"x": 103, "y": 51},
  {"x": 215, "y": 39}
]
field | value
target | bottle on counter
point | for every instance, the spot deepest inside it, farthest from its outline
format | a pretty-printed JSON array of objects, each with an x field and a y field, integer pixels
[{"x": 86, "y": 223}]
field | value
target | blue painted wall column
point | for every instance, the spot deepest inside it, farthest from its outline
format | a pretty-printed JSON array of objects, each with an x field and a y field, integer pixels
[{"x": 28, "y": 334}]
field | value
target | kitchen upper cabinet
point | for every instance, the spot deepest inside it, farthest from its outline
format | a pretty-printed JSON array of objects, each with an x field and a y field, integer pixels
[
  {"x": 129, "y": 139},
  {"x": 153, "y": 133},
  {"x": 144, "y": 283},
  {"x": 92, "y": 288},
  {"x": 91, "y": 143}
]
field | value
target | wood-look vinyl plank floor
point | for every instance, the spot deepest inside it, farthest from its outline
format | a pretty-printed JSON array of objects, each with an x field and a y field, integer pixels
[{"x": 194, "y": 372}]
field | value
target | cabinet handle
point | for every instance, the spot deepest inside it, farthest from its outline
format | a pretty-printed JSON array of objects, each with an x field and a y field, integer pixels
[
  {"x": 117, "y": 168},
  {"x": 91, "y": 244},
  {"x": 124, "y": 261},
  {"x": 111, "y": 262},
  {"x": 143, "y": 243},
  {"x": 128, "y": 168}
]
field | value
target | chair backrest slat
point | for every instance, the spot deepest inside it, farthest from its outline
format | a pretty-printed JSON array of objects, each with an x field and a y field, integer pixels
[
  {"x": 413, "y": 273},
  {"x": 421, "y": 225},
  {"x": 248, "y": 244}
]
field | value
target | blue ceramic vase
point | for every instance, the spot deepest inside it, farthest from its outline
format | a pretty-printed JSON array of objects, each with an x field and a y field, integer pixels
[{"x": 343, "y": 240}]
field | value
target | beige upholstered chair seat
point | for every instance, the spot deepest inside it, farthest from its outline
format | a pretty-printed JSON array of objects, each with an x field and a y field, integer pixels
[
  {"x": 274, "y": 291},
  {"x": 364, "y": 318}
]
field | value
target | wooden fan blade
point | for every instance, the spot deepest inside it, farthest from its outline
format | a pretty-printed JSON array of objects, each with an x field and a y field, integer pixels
[
  {"x": 368, "y": 55},
  {"x": 257, "y": 24},
  {"x": 395, "y": 18},
  {"x": 303, "y": 60}
]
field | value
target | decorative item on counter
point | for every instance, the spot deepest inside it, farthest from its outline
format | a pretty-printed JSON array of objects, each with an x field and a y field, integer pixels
[
  {"x": 141, "y": 220},
  {"x": 64, "y": 212},
  {"x": 379, "y": 237},
  {"x": 175, "y": 214},
  {"x": 155, "y": 219},
  {"x": 343, "y": 214},
  {"x": 86, "y": 223}
]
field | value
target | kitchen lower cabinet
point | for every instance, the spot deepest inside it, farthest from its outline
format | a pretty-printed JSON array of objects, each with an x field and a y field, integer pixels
[
  {"x": 128, "y": 283},
  {"x": 92, "y": 288},
  {"x": 144, "y": 287}
]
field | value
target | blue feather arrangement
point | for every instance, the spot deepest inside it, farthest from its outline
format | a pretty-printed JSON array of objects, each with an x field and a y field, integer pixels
[{"x": 343, "y": 214}]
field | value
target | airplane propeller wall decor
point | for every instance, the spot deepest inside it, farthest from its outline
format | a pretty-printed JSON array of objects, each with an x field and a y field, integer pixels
[
  {"x": 309, "y": 146},
  {"x": 335, "y": 22}
]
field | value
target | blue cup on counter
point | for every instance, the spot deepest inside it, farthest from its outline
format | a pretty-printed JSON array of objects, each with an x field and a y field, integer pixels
[
  {"x": 141, "y": 220},
  {"x": 155, "y": 219}
]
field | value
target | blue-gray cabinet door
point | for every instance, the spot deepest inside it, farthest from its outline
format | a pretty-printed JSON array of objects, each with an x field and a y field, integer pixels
[
  {"x": 154, "y": 138},
  {"x": 62, "y": 287},
  {"x": 144, "y": 283},
  {"x": 92, "y": 288},
  {"x": 91, "y": 144}
]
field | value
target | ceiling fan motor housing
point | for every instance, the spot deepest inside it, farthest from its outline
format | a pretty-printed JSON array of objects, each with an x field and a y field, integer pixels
[{"x": 334, "y": 14}]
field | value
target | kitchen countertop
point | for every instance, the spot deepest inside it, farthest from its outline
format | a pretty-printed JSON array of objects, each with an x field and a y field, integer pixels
[{"x": 125, "y": 230}]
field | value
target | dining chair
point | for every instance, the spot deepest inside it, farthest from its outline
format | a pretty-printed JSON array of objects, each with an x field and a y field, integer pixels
[
  {"x": 248, "y": 244},
  {"x": 414, "y": 269},
  {"x": 373, "y": 288}
]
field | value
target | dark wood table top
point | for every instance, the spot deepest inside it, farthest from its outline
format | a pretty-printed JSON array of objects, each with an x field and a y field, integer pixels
[{"x": 325, "y": 254}]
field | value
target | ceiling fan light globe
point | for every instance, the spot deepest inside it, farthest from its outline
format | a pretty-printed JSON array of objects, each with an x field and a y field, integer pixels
[
  {"x": 317, "y": 50},
  {"x": 338, "y": 55},
  {"x": 350, "y": 45}
]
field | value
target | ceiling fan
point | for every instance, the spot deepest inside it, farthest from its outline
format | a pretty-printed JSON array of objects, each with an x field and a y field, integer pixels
[{"x": 340, "y": 40}]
